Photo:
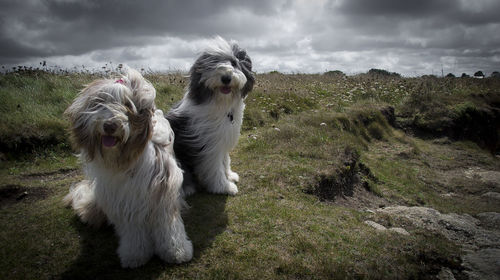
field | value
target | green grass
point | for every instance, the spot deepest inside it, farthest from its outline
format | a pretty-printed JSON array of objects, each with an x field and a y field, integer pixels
[{"x": 297, "y": 128}]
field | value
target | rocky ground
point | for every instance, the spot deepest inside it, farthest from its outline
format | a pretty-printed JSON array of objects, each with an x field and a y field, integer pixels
[{"x": 478, "y": 235}]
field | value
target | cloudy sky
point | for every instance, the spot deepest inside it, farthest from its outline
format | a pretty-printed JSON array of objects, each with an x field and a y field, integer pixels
[{"x": 306, "y": 36}]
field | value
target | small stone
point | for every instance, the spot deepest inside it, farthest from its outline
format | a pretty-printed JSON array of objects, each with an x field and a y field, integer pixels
[
  {"x": 322, "y": 124},
  {"x": 399, "y": 230},
  {"x": 370, "y": 211},
  {"x": 493, "y": 195},
  {"x": 22, "y": 195},
  {"x": 490, "y": 219},
  {"x": 375, "y": 225},
  {"x": 445, "y": 274},
  {"x": 277, "y": 129}
]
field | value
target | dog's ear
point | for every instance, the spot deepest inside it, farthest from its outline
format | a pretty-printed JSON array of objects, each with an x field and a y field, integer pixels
[
  {"x": 246, "y": 68},
  {"x": 143, "y": 92}
]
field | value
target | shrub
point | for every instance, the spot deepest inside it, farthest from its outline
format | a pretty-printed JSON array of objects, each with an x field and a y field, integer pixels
[
  {"x": 381, "y": 72},
  {"x": 334, "y": 73},
  {"x": 479, "y": 74}
]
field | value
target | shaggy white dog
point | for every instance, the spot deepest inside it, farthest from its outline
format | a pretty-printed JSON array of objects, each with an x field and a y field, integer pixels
[
  {"x": 132, "y": 177},
  {"x": 208, "y": 119}
]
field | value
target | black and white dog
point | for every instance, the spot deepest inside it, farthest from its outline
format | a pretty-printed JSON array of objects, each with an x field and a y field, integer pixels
[{"x": 208, "y": 119}]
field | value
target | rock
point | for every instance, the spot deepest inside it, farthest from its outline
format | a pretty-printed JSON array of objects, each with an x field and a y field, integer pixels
[
  {"x": 482, "y": 259},
  {"x": 460, "y": 228},
  {"x": 450, "y": 194},
  {"x": 322, "y": 124},
  {"x": 445, "y": 274},
  {"x": 493, "y": 195},
  {"x": 490, "y": 219},
  {"x": 399, "y": 230},
  {"x": 490, "y": 177},
  {"x": 483, "y": 264},
  {"x": 376, "y": 226}
]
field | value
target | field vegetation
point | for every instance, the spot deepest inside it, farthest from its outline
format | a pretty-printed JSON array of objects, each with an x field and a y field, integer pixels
[{"x": 317, "y": 156}]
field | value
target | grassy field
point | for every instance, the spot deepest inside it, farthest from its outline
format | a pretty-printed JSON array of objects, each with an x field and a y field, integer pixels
[{"x": 317, "y": 153}]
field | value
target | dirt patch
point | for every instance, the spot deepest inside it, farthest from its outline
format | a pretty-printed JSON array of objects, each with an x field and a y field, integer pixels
[
  {"x": 53, "y": 175},
  {"x": 12, "y": 194},
  {"x": 389, "y": 114},
  {"x": 349, "y": 185}
]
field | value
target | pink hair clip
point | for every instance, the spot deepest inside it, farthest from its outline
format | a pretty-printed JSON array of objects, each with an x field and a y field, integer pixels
[{"x": 120, "y": 81}]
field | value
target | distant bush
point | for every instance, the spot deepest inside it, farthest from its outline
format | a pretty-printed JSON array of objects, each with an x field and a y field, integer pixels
[
  {"x": 450, "y": 75},
  {"x": 495, "y": 74},
  {"x": 429, "y": 77},
  {"x": 479, "y": 74},
  {"x": 334, "y": 73},
  {"x": 464, "y": 75},
  {"x": 381, "y": 72}
]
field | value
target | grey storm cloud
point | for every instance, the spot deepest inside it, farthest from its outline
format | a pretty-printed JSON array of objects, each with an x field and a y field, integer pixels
[
  {"x": 76, "y": 27},
  {"x": 410, "y": 37}
]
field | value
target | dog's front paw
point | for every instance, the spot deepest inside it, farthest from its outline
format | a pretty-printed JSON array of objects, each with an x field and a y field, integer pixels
[
  {"x": 133, "y": 251},
  {"x": 131, "y": 262},
  {"x": 233, "y": 176},
  {"x": 185, "y": 253},
  {"x": 223, "y": 187},
  {"x": 231, "y": 188},
  {"x": 133, "y": 259},
  {"x": 179, "y": 253}
]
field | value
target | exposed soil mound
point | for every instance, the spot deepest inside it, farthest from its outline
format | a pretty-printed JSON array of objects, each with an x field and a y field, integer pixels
[
  {"x": 477, "y": 119},
  {"x": 12, "y": 194},
  {"x": 389, "y": 114},
  {"x": 22, "y": 144},
  {"x": 349, "y": 184}
]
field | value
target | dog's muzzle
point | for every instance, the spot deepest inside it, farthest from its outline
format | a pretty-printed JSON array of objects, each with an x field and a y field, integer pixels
[
  {"x": 109, "y": 140},
  {"x": 226, "y": 80}
]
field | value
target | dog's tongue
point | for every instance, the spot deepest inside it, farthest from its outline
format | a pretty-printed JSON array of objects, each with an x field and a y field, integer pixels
[
  {"x": 108, "y": 141},
  {"x": 225, "y": 90}
]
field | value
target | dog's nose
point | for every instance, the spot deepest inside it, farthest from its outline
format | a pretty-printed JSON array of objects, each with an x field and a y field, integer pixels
[
  {"x": 109, "y": 127},
  {"x": 226, "y": 79}
]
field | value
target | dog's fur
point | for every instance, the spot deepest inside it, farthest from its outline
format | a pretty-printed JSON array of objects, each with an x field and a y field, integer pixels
[
  {"x": 132, "y": 178},
  {"x": 208, "y": 119}
]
